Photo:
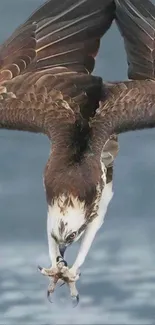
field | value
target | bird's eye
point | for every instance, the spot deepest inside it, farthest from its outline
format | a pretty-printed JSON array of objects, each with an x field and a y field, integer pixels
[{"x": 71, "y": 236}]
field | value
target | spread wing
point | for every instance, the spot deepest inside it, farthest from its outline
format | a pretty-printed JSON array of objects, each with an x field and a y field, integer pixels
[
  {"x": 44, "y": 65},
  {"x": 136, "y": 22},
  {"x": 130, "y": 105}
]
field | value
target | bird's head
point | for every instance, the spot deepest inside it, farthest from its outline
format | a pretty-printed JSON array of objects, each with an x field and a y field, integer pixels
[
  {"x": 66, "y": 221},
  {"x": 73, "y": 193}
]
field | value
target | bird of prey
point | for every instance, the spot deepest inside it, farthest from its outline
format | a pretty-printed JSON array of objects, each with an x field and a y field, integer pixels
[{"x": 47, "y": 86}]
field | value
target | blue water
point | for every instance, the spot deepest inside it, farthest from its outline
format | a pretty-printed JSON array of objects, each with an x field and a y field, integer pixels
[{"x": 117, "y": 285}]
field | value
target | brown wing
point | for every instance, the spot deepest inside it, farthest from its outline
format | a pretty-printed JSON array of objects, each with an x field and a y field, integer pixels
[
  {"x": 68, "y": 32},
  {"x": 130, "y": 105},
  {"x": 110, "y": 150},
  {"x": 48, "y": 58},
  {"x": 126, "y": 106},
  {"x": 136, "y": 21},
  {"x": 45, "y": 102},
  {"x": 64, "y": 33}
]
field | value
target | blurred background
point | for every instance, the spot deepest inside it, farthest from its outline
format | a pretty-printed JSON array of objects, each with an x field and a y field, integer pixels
[{"x": 117, "y": 285}]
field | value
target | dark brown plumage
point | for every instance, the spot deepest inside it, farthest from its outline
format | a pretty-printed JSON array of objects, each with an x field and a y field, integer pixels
[
  {"x": 46, "y": 86},
  {"x": 130, "y": 105},
  {"x": 135, "y": 19}
]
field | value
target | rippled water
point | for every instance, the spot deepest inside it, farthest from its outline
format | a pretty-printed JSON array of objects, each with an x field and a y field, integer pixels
[{"x": 117, "y": 285}]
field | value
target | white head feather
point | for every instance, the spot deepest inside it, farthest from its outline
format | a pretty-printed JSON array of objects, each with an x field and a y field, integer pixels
[{"x": 64, "y": 219}]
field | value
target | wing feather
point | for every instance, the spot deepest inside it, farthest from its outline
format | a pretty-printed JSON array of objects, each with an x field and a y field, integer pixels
[
  {"x": 70, "y": 36},
  {"x": 127, "y": 106},
  {"x": 136, "y": 22},
  {"x": 17, "y": 53},
  {"x": 35, "y": 113},
  {"x": 49, "y": 57},
  {"x": 59, "y": 34}
]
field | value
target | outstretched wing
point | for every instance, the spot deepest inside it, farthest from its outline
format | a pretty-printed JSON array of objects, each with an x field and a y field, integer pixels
[
  {"x": 68, "y": 32},
  {"x": 45, "y": 64},
  {"x": 136, "y": 22},
  {"x": 130, "y": 105},
  {"x": 60, "y": 33}
]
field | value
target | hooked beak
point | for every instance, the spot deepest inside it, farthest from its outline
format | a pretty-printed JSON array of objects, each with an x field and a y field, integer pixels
[{"x": 62, "y": 248}]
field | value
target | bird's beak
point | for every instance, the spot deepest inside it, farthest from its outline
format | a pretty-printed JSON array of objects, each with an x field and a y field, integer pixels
[{"x": 62, "y": 248}]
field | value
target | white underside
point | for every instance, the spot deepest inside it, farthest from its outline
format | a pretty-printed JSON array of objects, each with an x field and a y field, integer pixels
[
  {"x": 106, "y": 197},
  {"x": 93, "y": 227}
]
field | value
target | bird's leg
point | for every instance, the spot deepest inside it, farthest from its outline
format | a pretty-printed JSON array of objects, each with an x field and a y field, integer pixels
[
  {"x": 59, "y": 270},
  {"x": 54, "y": 252},
  {"x": 70, "y": 276},
  {"x": 86, "y": 243},
  {"x": 57, "y": 262},
  {"x": 91, "y": 230}
]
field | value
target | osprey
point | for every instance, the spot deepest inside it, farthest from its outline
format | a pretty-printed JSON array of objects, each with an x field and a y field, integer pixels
[{"x": 46, "y": 86}]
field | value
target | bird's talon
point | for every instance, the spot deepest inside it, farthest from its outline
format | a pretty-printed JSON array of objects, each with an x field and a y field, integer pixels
[
  {"x": 40, "y": 268},
  {"x": 75, "y": 300},
  {"x": 62, "y": 284},
  {"x": 58, "y": 259},
  {"x": 51, "y": 288},
  {"x": 51, "y": 272},
  {"x": 62, "y": 274},
  {"x": 49, "y": 296},
  {"x": 74, "y": 293},
  {"x": 65, "y": 263},
  {"x": 61, "y": 261}
]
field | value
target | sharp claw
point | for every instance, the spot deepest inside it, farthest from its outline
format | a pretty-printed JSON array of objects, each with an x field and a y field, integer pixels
[
  {"x": 61, "y": 273},
  {"x": 75, "y": 300},
  {"x": 58, "y": 259},
  {"x": 74, "y": 293},
  {"x": 61, "y": 260},
  {"x": 43, "y": 270},
  {"x": 65, "y": 263},
  {"x": 49, "y": 296},
  {"x": 51, "y": 289},
  {"x": 62, "y": 284},
  {"x": 40, "y": 268}
]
